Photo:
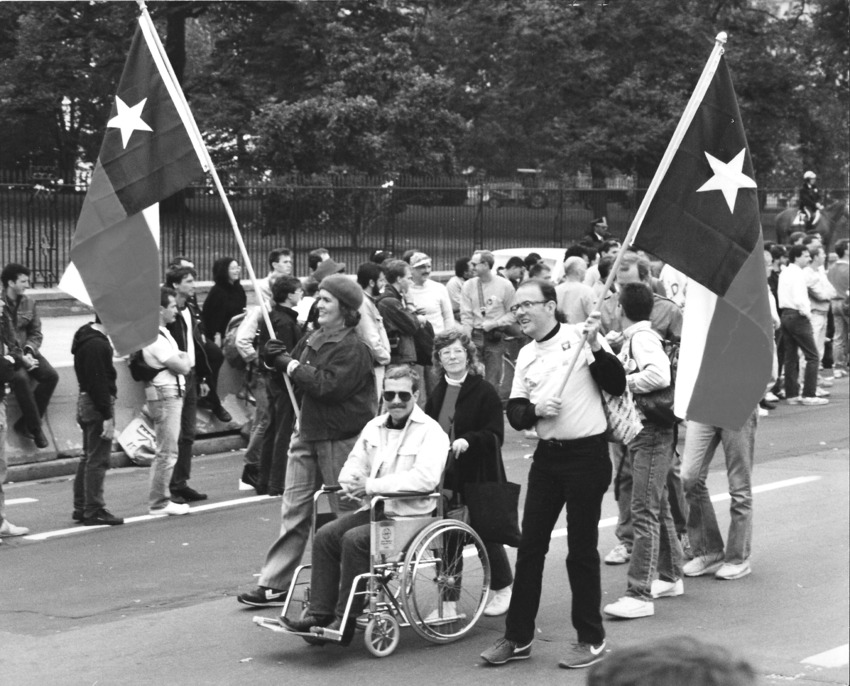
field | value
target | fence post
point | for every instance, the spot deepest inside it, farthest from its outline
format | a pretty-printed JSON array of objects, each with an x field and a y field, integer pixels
[
  {"x": 558, "y": 224},
  {"x": 478, "y": 222}
]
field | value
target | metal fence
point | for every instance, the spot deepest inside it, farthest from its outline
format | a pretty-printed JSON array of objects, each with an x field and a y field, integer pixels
[{"x": 446, "y": 218}]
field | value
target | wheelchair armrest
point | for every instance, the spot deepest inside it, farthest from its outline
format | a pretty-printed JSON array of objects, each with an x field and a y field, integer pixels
[
  {"x": 405, "y": 494},
  {"x": 330, "y": 489}
]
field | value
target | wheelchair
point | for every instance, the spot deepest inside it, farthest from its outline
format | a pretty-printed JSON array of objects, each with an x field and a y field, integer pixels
[{"x": 429, "y": 573}]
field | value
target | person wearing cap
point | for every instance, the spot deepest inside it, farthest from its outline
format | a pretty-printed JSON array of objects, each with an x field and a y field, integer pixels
[
  {"x": 598, "y": 231},
  {"x": 810, "y": 200},
  {"x": 331, "y": 370}
]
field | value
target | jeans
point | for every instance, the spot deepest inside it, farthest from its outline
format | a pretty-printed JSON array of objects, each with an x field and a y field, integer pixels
[
  {"x": 656, "y": 546},
  {"x": 91, "y": 469},
  {"x": 309, "y": 465},
  {"x": 797, "y": 334},
  {"x": 259, "y": 388},
  {"x": 166, "y": 411},
  {"x": 490, "y": 354},
  {"x": 623, "y": 480},
  {"x": 3, "y": 465},
  {"x": 341, "y": 551},
  {"x": 575, "y": 473},
  {"x": 839, "y": 338},
  {"x": 738, "y": 446},
  {"x": 33, "y": 403},
  {"x": 281, "y": 419},
  {"x": 188, "y": 422}
]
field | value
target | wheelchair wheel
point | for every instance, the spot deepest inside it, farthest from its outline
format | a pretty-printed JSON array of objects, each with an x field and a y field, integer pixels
[
  {"x": 382, "y": 634},
  {"x": 445, "y": 581}
]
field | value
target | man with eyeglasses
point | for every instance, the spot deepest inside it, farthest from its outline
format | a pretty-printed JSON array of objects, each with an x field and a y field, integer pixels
[
  {"x": 485, "y": 302},
  {"x": 570, "y": 467},
  {"x": 401, "y": 450}
]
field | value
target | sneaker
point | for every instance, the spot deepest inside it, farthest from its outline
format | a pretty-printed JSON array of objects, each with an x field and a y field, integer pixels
[
  {"x": 771, "y": 397},
  {"x": 504, "y": 650},
  {"x": 583, "y": 655},
  {"x": 729, "y": 571},
  {"x": 703, "y": 564},
  {"x": 825, "y": 382},
  {"x": 171, "y": 508},
  {"x": 9, "y": 529},
  {"x": 630, "y": 608},
  {"x": 795, "y": 401},
  {"x": 188, "y": 493},
  {"x": 245, "y": 487},
  {"x": 820, "y": 393},
  {"x": 766, "y": 404},
  {"x": 619, "y": 555},
  {"x": 448, "y": 614},
  {"x": 838, "y": 374},
  {"x": 77, "y": 516},
  {"x": 499, "y": 603},
  {"x": 667, "y": 589},
  {"x": 103, "y": 518},
  {"x": 813, "y": 401},
  {"x": 763, "y": 412},
  {"x": 263, "y": 597}
]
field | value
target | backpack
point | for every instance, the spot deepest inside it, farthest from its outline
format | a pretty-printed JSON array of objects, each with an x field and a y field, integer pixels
[
  {"x": 228, "y": 343},
  {"x": 141, "y": 370}
]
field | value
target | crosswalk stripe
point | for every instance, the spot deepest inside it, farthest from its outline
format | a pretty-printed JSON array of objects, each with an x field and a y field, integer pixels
[
  {"x": 837, "y": 657},
  {"x": 21, "y": 501}
]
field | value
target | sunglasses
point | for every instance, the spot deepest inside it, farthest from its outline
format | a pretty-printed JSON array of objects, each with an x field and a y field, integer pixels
[{"x": 404, "y": 396}]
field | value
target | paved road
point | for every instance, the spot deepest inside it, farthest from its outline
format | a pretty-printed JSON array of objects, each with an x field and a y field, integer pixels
[{"x": 153, "y": 601}]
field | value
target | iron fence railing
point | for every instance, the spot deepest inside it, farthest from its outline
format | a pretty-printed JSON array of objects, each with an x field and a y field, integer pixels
[{"x": 445, "y": 218}]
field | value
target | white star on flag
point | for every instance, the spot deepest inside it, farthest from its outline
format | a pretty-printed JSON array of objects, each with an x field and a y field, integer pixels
[
  {"x": 728, "y": 178},
  {"x": 128, "y": 119}
]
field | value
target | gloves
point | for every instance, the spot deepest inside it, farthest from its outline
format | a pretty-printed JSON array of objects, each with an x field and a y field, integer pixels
[{"x": 275, "y": 355}]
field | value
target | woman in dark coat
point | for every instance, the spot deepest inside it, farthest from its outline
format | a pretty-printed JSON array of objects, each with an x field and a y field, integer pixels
[
  {"x": 225, "y": 300},
  {"x": 470, "y": 412}
]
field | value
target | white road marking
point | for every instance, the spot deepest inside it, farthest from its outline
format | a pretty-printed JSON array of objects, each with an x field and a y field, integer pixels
[
  {"x": 720, "y": 497},
  {"x": 21, "y": 501},
  {"x": 146, "y": 518},
  {"x": 837, "y": 657}
]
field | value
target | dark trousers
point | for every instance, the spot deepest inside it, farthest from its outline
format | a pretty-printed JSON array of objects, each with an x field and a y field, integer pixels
[
  {"x": 575, "y": 473},
  {"x": 188, "y": 422},
  {"x": 797, "y": 334},
  {"x": 33, "y": 403},
  {"x": 91, "y": 470},
  {"x": 215, "y": 358},
  {"x": 276, "y": 439}
]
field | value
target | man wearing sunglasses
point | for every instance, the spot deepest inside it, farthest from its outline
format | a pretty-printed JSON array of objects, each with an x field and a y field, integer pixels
[{"x": 401, "y": 450}]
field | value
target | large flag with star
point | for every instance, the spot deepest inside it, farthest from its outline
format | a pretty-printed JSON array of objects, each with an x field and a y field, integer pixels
[
  {"x": 151, "y": 150},
  {"x": 704, "y": 221}
]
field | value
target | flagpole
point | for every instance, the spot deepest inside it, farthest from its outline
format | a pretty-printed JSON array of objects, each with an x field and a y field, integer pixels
[
  {"x": 207, "y": 161},
  {"x": 681, "y": 129}
]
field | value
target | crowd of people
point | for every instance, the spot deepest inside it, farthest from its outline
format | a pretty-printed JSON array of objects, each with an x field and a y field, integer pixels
[{"x": 367, "y": 381}]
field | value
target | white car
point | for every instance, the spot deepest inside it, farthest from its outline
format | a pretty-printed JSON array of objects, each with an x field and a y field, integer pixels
[{"x": 552, "y": 257}]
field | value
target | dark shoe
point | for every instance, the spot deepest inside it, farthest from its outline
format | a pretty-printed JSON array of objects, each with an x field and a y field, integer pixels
[
  {"x": 188, "y": 494},
  {"x": 767, "y": 405},
  {"x": 40, "y": 439},
  {"x": 77, "y": 516},
  {"x": 263, "y": 597},
  {"x": 222, "y": 415},
  {"x": 302, "y": 626},
  {"x": 583, "y": 655},
  {"x": 336, "y": 625},
  {"x": 250, "y": 475},
  {"x": 21, "y": 428},
  {"x": 503, "y": 650},
  {"x": 275, "y": 492},
  {"x": 103, "y": 518}
]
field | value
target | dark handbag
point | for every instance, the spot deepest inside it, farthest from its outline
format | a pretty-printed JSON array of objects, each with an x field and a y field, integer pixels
[
  {"x": 657, "y": 406},
  {"x": 423, "y": 342},
  {"x": 493, "y": 505}
]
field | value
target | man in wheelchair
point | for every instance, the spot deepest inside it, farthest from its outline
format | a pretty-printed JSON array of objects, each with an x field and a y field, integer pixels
[{"x": 401, "y": 450}]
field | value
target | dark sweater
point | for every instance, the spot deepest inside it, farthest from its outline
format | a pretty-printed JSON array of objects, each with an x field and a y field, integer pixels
[
  {"x": 224, "y": 301},
  {"x": 96, "y": 375}
]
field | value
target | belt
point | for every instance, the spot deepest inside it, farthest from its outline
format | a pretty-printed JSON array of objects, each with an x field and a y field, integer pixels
[
  {"x": 570, "y": 443},
  {"x": 790, "y": 309}
]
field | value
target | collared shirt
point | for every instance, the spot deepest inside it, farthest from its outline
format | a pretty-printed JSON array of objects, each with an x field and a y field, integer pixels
[
  {"x": 498, "y": 298},
  {"x": 792, "y": 292},
  {"x": 392, "y": 460}
]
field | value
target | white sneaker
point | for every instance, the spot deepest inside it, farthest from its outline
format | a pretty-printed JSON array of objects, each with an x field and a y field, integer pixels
[
  {"x": 499, "y": 603},
  {"x": 771, "y": 397},
  {"x": 703, "y": 564},
  {"x": 729, "y": 571},
  {"x": 630, "y": 608},
  {"x": 9, "y": 529},
  {"x": 619, "y": 555},
  {"x": 763, "y": 412},
  {"x": 820, "y": 393},
  {"x": 245, "y": 487},
  {"x": 667, "y": 589},
  {"x": 806, "y": 400},
  {"x": 171, "y": 508},
  {"x": 449, "y": 614}
]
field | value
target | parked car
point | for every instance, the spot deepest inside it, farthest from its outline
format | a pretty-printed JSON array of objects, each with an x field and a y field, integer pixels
[{"x": 552, "y": 257}]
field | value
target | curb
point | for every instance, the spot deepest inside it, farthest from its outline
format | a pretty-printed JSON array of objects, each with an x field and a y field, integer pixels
[{"x": 37, "y": 471}]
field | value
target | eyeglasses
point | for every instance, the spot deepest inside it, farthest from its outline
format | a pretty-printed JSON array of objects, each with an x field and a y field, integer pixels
[
  {"x": 452, "y": 352},
  {"x": 526, "y": 305},
  {"x": 404, "y": 396}
]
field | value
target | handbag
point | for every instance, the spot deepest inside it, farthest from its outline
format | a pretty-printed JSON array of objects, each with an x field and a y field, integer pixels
[
  {"x": 423, "y": 343},
  {"x": 493, "y": 505},
  {"x": 621, "y": 416},
  {"x": 657, "y": 406}
]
